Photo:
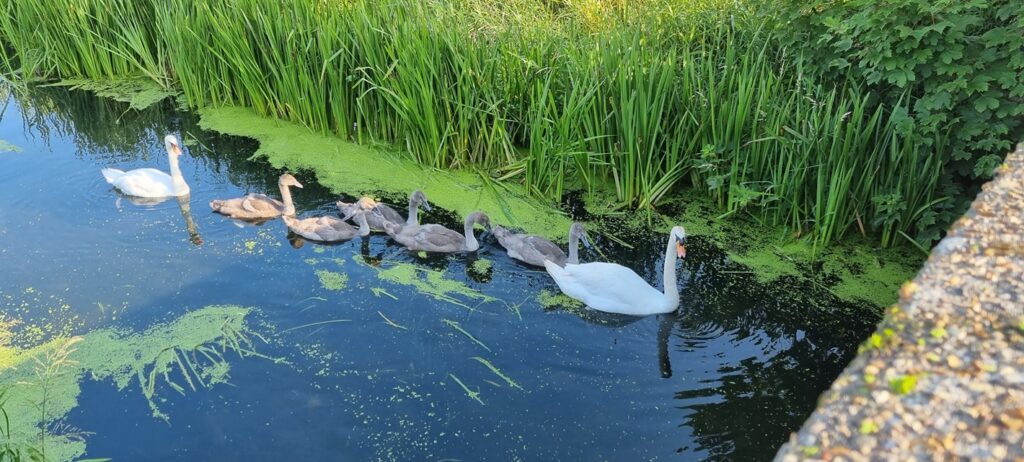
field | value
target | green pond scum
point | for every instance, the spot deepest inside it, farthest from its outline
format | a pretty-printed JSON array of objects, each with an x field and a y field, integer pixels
[
  {"x": 852, "y": 269},
  {"x": 355, "y": 169},
  {"x": 331, "y": 280},
  {"x": 42, "y": 383},
  {"x": 770, "y": 251},
  {"x": 429, "y": 282},
  {"x": 7, "y": 146}
]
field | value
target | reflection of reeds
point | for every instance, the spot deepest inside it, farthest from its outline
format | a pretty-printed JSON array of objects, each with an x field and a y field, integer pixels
[{"x": 200, "y": 366}]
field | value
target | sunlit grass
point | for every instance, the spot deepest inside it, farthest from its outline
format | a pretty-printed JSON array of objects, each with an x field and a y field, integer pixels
[{"x": 627, "y": 99}]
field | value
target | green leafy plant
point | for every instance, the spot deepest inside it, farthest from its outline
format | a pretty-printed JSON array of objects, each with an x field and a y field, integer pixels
[{"x": 957, "y": 63}]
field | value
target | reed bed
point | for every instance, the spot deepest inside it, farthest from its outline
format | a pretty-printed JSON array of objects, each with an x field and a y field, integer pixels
[{"x": 634, "y": 99}]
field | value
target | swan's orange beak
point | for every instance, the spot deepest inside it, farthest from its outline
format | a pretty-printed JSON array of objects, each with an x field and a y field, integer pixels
[{"x": 680, "y": 250}]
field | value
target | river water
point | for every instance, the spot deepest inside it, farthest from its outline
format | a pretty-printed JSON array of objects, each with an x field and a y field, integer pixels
[{"x": 373, "y": 368}]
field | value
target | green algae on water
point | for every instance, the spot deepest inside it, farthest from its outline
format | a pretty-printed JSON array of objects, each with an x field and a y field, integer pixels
[
  {"x": 331, "y": 280},
  {"x": 356, "y": 169},
  {"x": 139, "y": 93},
  {"x": 185, "y": 354},
  {"x": 482, "y": 265},
  {"x": 852, "y": 269},
  {"x": 552, "y": 300},
  {"x": 7, "y": 146},
  {"x": 430, "y": 283}
]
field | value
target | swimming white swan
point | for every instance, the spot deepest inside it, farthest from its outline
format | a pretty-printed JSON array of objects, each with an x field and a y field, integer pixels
[
  {"x": 616, "y": 289},
  {"x": 260, "y": 206},
  {"x": 535, "y": 250},
  {"x": 437, "y": 238},
  {"x": 328, "y": 228},
  {"x": 376, "y": 221},
  {"x": 150, "y": 182}
]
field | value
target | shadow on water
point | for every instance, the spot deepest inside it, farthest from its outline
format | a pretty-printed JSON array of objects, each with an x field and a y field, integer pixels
[{"x": 382, "y": 368}]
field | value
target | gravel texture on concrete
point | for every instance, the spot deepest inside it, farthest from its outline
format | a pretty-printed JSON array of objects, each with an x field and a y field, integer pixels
[{"x": 943, "y": 376}]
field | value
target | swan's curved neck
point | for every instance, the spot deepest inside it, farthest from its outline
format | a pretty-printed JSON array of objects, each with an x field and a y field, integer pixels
[
  {"x": 364, "y": 226},
  {"x": 413, "y": 219},
  {"x": 671, "y": 290},
  {"x": 471, "y": 243},
  {"x": 574, "y": 249},
  {"x": 176, "y": 178},
  {"x": 286, "y": 197}
]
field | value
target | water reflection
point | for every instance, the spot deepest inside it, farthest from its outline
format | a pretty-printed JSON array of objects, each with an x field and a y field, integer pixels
[
  {"x": 725, "y": 378},
  {"x": 184, "y": 205}
]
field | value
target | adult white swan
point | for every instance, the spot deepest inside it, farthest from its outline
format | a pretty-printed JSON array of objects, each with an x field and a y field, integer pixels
[
  {"x": 616, "y": 289},
  {"x": 150, "y": 182}
]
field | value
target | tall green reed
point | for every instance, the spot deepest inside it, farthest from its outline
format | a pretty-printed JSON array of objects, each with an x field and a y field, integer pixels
[{"x": 633, "y": 97}]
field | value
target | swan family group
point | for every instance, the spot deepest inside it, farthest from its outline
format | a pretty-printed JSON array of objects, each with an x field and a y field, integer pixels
[{"x": 601, "y": 286}]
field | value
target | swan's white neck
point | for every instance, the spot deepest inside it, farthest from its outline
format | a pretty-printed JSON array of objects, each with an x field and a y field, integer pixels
[
  {"x": 286, "y": 197},
  {"x": 574, "y": 249},
  {"x": 364, "y": 226},
  {"x": 671, "y": 289},
  {"x": 413, "y": 219},
  {"x": 177, "y": 180},
  {"x": 471, "y": 243}
]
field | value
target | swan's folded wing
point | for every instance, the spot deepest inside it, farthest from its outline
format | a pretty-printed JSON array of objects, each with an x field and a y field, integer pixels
[
  {"x": 609, "y": 287},
  {"x": 145, "y": 182},
  {"x": 439, "y": 236},
  {"x": 262, "y": 204},
  {"x": 391, "y": 214},
  {"x": 542, "y": 249}
]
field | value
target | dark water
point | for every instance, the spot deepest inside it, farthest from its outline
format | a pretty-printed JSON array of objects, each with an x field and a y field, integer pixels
[{"x": 727, "y": 379}]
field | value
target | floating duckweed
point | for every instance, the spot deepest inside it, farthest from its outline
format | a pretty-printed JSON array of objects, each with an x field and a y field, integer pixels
[
  {"x": 331, "y": 280},
  {"x": 185, "y": 354},
  {"x": 430, "y": 282},
  {"x": 551, "y": 300},
  {"x": 6, "y": 146},
  {"x": 348, "y": 167},
  {"x": 482, "y": 265}
]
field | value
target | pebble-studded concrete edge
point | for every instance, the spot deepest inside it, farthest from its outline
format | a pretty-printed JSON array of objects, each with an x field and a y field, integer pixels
[{"x": 943, "y": 376}]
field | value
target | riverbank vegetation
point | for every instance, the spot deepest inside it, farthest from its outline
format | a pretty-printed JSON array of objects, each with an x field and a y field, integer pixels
[{"x": 828, "y": 119}]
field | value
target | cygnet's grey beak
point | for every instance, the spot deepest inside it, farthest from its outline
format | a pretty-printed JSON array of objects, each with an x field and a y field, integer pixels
[
  {"x": 426, "y": 206},
  {"x": 297, "y": 184},
  {"x": 586, "y": 241}
]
